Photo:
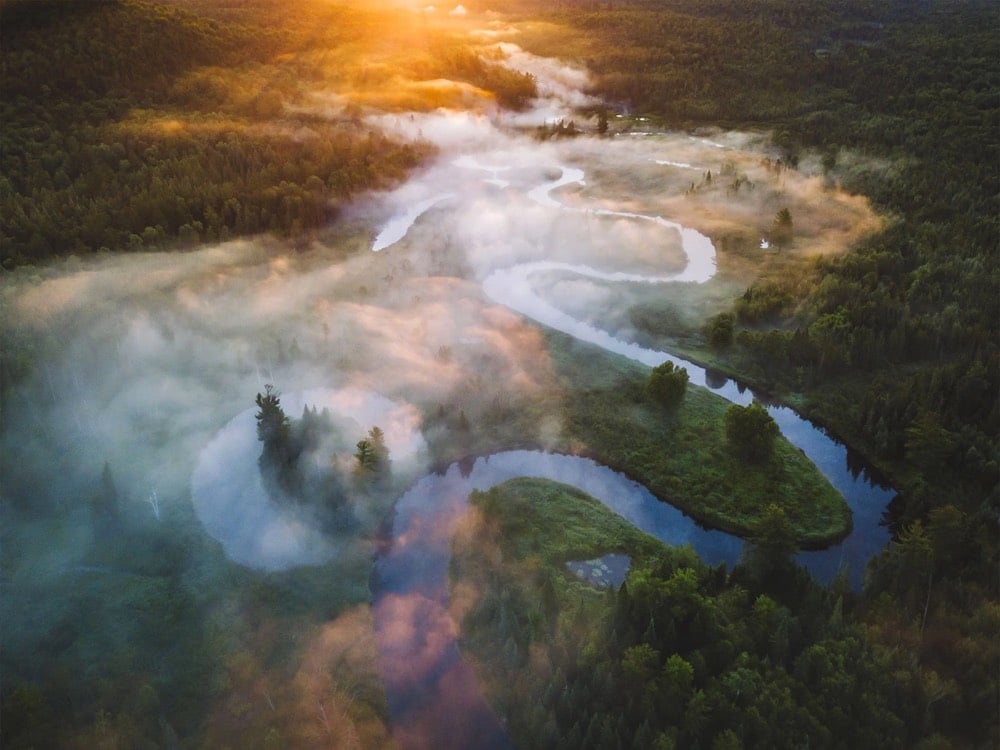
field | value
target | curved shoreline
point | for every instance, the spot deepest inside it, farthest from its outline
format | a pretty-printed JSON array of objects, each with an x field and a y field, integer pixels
[
  {"x": 510, "y": 287},
  {"x": 424, "y": 675},
  {"x": 710, "y": 521},
  {"x": 877, "y": 473},
  {"x": 433, "y": 695},
  {"x": 399, "y": 226},
  {"x": 705, "y": 521}
]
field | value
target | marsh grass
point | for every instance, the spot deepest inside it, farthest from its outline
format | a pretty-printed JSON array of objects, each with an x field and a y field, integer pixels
[
  {"x": 599, "y": 405},
  {"x": 681, "y": 454},
  {"x": 557, "y": 523}
]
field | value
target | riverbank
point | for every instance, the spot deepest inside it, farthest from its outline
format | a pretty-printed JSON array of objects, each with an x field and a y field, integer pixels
[
  {"x": 830, "y": 411},
  {"x": 595, "y": 405},
  {"x": 681, "y": 455},
  {"x": 509, "y": 585}
]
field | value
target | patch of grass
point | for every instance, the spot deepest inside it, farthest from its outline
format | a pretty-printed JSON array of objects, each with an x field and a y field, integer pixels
[
  {"x": 557, "y": 523},
  {"x": 600, "y": 404},
  {"x": 681, "y": 454}
]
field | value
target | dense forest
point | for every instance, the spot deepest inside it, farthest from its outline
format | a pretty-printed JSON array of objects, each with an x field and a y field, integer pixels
[
  {"x": 894, "y": 346},
  {"x": 131, "y": 125},
  {"x": 901, "y": 334},
  {"x": 682, "y": 654}
]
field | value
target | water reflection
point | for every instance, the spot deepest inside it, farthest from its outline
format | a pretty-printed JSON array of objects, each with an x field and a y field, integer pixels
[
  {"x": 426, "y": 681},
  {"x": 861, "y": 469},
  {"x": 715, "y": 379}
]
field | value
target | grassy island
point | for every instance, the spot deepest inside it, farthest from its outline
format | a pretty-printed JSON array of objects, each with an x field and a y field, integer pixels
[{"x": 681, "y": 453}]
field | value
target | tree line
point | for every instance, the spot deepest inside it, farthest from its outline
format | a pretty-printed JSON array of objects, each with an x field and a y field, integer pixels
[
  {"x": 132, "y": 125},
  {"x": 893, "y": 345},
  {"x": 681, "y": 654}
]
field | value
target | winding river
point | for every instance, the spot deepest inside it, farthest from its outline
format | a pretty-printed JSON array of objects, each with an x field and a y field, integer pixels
[{"x": 434, "y": 698}]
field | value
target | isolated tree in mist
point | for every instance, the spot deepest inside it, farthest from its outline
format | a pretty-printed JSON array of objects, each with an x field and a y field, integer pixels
[
  {"x": 782, "y": 228},
  {"x": 273, "y": 427},
  {"x": 667, "y": 384},
  {"x": 365, "y": 455},
  {"x": 377, "y": 438},
  {"x": 720, "y": 329},
  {"x": 372, "y": 454}
]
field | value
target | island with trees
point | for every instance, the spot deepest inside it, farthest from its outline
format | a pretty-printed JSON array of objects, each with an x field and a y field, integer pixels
[{"x": 296, "y": 469}]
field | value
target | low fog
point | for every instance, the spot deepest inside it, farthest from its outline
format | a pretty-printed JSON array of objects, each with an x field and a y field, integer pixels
[
  {"x": 417, "y": 312},
  {"x": 148, "y": 364}
]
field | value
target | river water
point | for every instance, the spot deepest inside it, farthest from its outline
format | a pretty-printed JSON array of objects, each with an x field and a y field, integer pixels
[
  {"x": 434, "y": 698},
  {"x": 523, "y": 213}
]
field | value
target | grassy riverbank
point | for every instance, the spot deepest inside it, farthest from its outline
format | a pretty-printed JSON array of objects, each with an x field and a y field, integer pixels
[
  {"x": 681, "y": 454},
  {"x": 595, "y": 404},
  {"x": 556, "y": 523}
]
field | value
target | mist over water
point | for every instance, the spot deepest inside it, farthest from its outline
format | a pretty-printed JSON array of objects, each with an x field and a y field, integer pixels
[
  {"x": 148, "y": 364},
  {"x": 560, "y": 230}
]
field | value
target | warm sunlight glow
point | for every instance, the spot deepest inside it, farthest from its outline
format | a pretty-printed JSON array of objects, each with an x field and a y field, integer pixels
[{"x": 532, "y": 373}]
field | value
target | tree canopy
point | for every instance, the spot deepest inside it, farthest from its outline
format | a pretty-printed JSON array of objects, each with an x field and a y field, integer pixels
[
  {"x": 751, "y": 432},
  {"x": 667, "y": 384}
]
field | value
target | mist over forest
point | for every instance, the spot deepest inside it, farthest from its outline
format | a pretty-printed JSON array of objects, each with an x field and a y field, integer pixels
[{"x": 508, "y": 374}]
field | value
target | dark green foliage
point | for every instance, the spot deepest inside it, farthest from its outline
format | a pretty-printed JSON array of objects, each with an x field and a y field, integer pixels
[
  {"x": 273, "y": 427},
  {"x": 134, "y": 641},
  {"x": 667, "y": 384},
  {"x": 683, "y": 655},
  {"x": 372, "y": 454},
  {"x": 917, "y": 306},
  {"x": 512, "y": 89},
  {"x": 293, "y": 466},
  {"x": 281, "y": 450},
  {"x": 751, "y": 432},
  {"x": 720, "y": 329},
  {"x": 763, "y": 303},
  {"x": 365, "y": 456},
  {"x": 682, "y": 456},
  {"x": 772, "y": 543},
  {"x": 105, "y": 145},
  {"x": 377, "y": 438},
  {"x": 895, "y": 344}
]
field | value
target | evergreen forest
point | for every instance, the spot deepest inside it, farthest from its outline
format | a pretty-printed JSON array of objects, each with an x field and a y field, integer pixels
[{"x": 161, "y": 126}]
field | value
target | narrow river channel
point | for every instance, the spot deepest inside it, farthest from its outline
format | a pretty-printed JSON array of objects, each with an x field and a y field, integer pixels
[
  {"x": 433, "y": 695},
  {"x": 434, "y": 698}
]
